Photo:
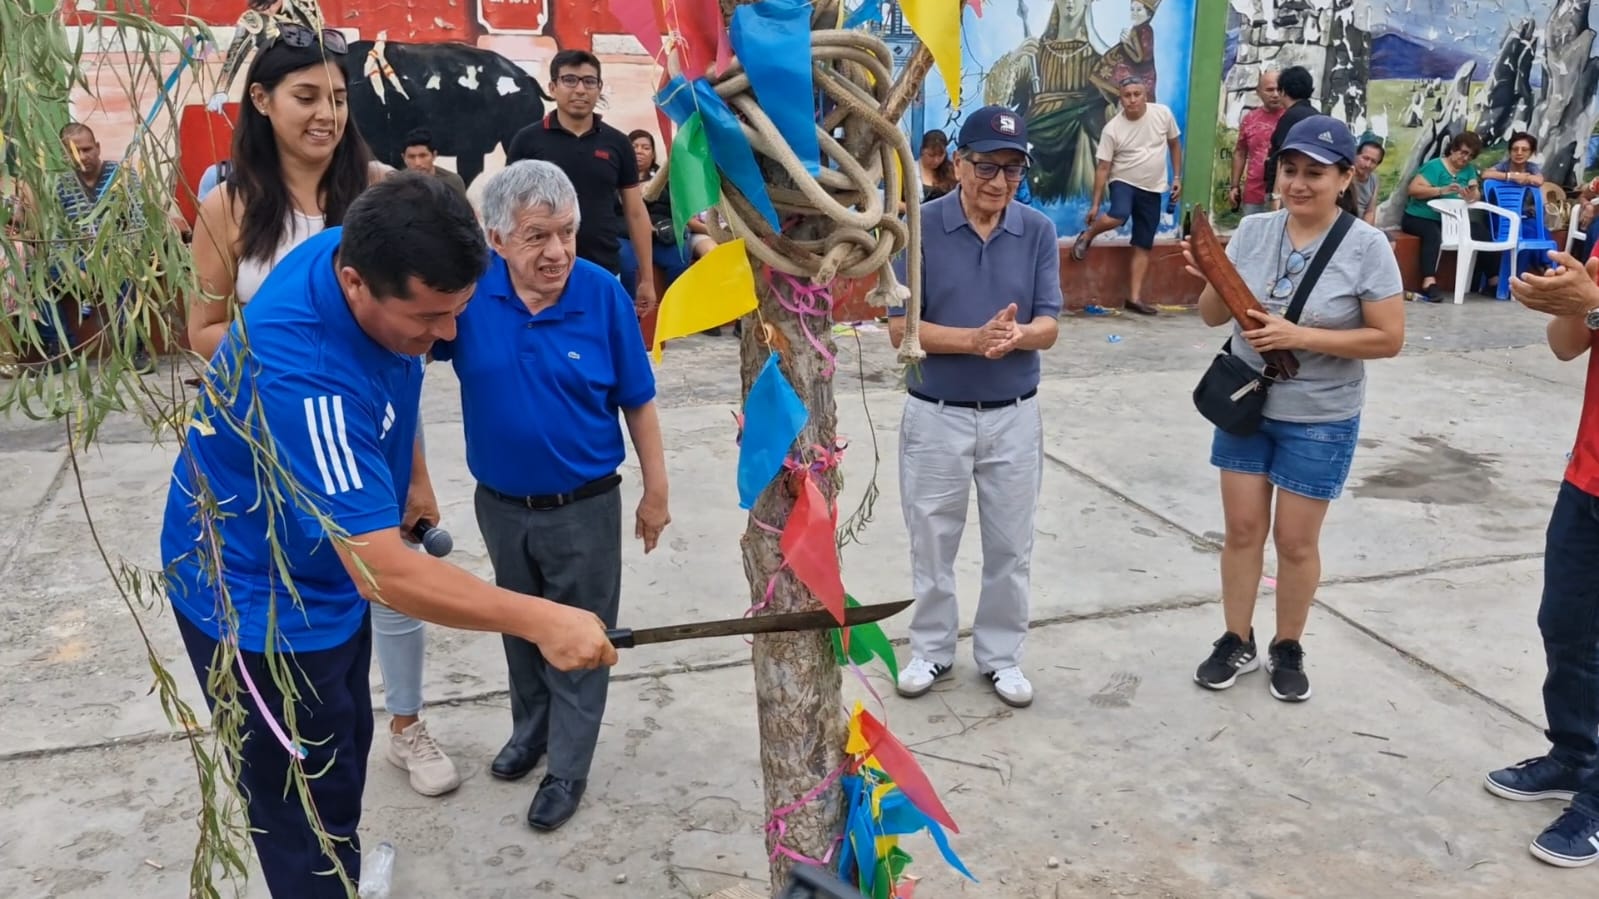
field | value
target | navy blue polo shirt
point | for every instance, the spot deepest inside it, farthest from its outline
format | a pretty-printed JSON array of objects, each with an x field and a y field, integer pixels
[
  {"x": 540, "y": 393},
  {"x": 966, "y": 281},
  {"x": 339, "y": 413}
]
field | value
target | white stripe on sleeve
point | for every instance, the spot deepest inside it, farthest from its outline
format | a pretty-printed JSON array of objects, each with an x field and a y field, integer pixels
[
  {"x": 316, "y": 444},
  {"x": 328, "y": 441},
  {"x": 344, "y": 442}
]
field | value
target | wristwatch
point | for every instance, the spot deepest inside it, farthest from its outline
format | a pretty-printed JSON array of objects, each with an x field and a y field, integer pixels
[{"x": 1592, "y": 319}]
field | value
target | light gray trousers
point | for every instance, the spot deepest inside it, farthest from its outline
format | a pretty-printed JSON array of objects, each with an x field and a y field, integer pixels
[
  {"x": 573, "y": 556},
  {"x": 943, "y": 450},
  {"x": 400, "y": 644}
]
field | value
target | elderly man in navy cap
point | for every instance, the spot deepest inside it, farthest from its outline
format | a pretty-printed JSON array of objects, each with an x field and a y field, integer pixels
[{"x": 991, "y": 297}]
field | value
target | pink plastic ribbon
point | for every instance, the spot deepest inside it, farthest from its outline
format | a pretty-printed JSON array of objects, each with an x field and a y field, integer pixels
[
  {"x": 810, "y": 301},
  {"x": 261, "y": 706},
  {"x": 776, "y": 823}
]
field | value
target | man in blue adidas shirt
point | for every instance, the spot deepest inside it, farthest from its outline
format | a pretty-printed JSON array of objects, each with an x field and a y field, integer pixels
[
  {"x": 550, "y": 357},
  {"x": 307, "y": 433}
]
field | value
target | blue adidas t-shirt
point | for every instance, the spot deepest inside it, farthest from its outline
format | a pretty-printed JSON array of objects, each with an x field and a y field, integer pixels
[{"x": 312, "y": 416}]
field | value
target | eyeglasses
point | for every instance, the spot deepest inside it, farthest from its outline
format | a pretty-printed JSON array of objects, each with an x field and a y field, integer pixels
[
  {"x": 301, "y": 37},
  {"x": 589, "y": 81},
  {"x": 1284, "y": 288},
  {"x": 987, "y": 170}
]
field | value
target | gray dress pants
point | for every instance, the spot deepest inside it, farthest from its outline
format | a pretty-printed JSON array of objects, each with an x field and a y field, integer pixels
[{"x": 570, "y": 555}]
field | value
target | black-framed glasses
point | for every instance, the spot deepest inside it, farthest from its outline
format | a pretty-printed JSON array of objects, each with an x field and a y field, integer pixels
[
  {"x": 301, "y": 37},
  {"x": 589, "y": 81},
  {"x": 1013, "y": 172},
  {"x": 1284, "y": 288}
]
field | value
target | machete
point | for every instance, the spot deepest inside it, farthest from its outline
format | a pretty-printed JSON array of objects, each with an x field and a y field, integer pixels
[{"x": 821, "y": 619}]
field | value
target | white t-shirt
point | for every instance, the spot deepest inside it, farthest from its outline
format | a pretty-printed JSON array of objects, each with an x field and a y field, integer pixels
[{"x": 1136, "y": 148}]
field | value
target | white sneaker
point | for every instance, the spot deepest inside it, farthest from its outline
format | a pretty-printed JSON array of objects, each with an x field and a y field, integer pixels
[
  {"x": 917, "y": 677},
  {"x": 1012, "y": 686},
  {"x": 413, "y": 750}
]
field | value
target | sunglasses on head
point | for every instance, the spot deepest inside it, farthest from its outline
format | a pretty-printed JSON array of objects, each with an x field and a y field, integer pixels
[{"x": 301, "y": 38}]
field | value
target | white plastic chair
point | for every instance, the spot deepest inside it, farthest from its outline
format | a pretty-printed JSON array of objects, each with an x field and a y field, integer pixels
[
  {"x": 1457, "y": 237},
  {"x": 1574, "y": 230}
]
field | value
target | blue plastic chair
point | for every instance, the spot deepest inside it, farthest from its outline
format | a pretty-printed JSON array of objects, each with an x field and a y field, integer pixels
[{"x": 1534, "y": 236}]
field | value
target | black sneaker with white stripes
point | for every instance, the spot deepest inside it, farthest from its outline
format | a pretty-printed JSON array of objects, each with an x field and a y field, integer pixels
[
  {"x": 1231, "y": 656},
  {"x": 1285, "y": 662}
]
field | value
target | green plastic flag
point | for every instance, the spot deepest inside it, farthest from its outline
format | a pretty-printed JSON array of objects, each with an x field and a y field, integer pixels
[
  {"x": 866, "y": 642},
  {"x": 692, "y": 175}
]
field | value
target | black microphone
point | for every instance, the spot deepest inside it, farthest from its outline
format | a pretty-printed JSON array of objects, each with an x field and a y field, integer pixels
[{"x": 435, "y": 540}]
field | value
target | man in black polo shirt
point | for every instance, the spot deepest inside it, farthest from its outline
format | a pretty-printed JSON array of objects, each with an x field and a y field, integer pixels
[{"x": 599, "y": 161}]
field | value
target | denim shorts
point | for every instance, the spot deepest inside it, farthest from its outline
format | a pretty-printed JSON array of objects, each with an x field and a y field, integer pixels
[
  {"x": 1308, "y": 459},
  {"x": 1142, "y": 206}
]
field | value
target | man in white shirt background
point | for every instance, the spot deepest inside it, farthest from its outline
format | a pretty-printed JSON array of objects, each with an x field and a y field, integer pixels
[{"x": 1132, "y": 155}]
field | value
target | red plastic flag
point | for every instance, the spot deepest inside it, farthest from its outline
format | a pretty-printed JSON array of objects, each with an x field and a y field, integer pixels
[
  {"x": 900, "y": 765},
  {"x": 810, "y": 549}
]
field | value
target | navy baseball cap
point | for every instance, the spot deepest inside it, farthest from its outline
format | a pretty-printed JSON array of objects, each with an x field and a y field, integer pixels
[
  {"x": 1322, "y": 138},
  {"x": 994, "y": 128}
]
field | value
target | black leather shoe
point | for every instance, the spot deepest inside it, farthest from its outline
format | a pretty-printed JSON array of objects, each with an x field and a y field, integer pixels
[
  {"x": 515, "y": 761},
  {"x": 555, "y": 803}
]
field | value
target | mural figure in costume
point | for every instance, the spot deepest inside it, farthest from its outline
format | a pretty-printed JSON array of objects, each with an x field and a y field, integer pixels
[
  {"x": 1133, "y": 56},
  {"x": 1052, "y": 81}
]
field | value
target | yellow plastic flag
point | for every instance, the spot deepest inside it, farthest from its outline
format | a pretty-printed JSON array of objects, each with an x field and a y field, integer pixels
[
  {"x": 712, "y": 292},
  {"x": 856, "y": 744},
  {"x": 938, "y": 24}
]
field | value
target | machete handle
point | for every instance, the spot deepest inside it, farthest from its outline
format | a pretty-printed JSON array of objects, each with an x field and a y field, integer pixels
[{"x": 620, "y": 637}]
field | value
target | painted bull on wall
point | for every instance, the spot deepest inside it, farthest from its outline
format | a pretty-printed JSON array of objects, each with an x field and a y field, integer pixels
[{"x": 471, "y": 99}]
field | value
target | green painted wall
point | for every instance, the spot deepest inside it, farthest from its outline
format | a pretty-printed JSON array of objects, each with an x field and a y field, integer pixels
[{"x": 1204, "y": 100}]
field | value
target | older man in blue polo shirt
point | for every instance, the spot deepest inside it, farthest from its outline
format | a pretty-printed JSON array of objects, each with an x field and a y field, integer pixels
[
  {"x": 990, "y": 299},
  {"x": 287, "y": 504},
  {"x": 549, "y": 352}
]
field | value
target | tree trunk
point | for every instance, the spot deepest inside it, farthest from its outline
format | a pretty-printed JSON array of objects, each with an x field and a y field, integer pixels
[{"x": 798, "y": 684}]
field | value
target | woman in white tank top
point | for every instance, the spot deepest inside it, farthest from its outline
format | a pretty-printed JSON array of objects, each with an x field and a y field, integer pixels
[{"x": 297, "y": 165}]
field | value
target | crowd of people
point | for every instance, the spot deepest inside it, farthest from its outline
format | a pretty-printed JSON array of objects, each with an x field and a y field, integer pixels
[{"x": 329, "y": 281}]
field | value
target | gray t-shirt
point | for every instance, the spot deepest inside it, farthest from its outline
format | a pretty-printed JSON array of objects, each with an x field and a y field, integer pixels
[
  {"x": 1365, "y": 194},
  {"x": 1362, "y": 269}
]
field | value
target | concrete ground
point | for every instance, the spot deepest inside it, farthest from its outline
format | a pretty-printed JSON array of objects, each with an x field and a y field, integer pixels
[{"x": 1123, "y": 779}]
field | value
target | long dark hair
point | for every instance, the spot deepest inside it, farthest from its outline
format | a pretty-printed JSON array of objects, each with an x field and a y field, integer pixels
[
  {"x": 938, "y": 140},
  {"x": 256, "y": 178}
]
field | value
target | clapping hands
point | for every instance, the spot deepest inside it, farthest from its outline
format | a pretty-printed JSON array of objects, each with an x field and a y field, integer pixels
[{"x": 1000, "y": 335}]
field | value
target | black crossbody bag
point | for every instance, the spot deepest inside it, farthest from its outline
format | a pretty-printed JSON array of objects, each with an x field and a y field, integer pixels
[{"x": 1231, "y": 394}]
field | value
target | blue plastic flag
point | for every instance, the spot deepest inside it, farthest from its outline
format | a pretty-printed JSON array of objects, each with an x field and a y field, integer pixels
[
  {"x": 772, "y": 39},
  {"x": 898, "y": 815},
  {"x": 773, "y": 416}
]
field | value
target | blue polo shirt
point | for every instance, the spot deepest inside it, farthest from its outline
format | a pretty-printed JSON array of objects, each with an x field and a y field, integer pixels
[
  {"x": 540, "y": 393},
  {"x": 967, "y": 280},
  {"x": 339, "y": 414}
]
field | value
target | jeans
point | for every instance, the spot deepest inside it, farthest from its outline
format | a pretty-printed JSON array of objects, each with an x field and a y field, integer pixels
[
  {"x": 55, "y": 335},
  {"x": 1568, "y": 619},
  {"x": 400, "y": 644}
]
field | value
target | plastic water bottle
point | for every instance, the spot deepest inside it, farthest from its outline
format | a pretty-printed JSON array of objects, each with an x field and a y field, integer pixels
[{"x": 377, "y": 872}]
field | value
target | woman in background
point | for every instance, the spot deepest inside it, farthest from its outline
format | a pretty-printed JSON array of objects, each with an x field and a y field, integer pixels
[
  {"x": 938, "y": 172},
  {"x": 1449, "y": 176},
  {"x": 297, "y": 164}
]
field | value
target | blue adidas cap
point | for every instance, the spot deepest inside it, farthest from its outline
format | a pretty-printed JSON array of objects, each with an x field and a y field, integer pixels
[{"x": 1322, "y": 138}]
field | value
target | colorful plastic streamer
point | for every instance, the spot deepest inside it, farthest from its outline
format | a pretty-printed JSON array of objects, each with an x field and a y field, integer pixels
[
  {"x": 863, "y": 643},
  {"x": 773, "y": 40},
  {"x": 810, "y": 549},
  {"x": 712, "y": 292},
  {"x": 774, "y": 415},
  {"x": 879, "y": 809},
  {"x": 691, "y": 175},
  {"x": 938, "y": 24},
  {"x": 729, "y": 147}
]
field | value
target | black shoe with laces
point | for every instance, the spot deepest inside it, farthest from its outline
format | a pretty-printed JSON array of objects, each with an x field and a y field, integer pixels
[
  {"x": 1285, "y": 663},
  {"x": 1231, "y": 656}
]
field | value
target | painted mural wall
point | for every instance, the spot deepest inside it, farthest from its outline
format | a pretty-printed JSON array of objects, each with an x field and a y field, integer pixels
[
  {"x": 1059, "y": 62},
  {"x": 1417, "y": 72},
  {"x": 469, "y": 69}
]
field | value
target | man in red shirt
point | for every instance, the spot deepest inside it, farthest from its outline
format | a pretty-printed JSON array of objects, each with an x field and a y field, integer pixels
[
  {"x": 1568, "y": 616},
  {"x": 1248, "y": 186}
]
